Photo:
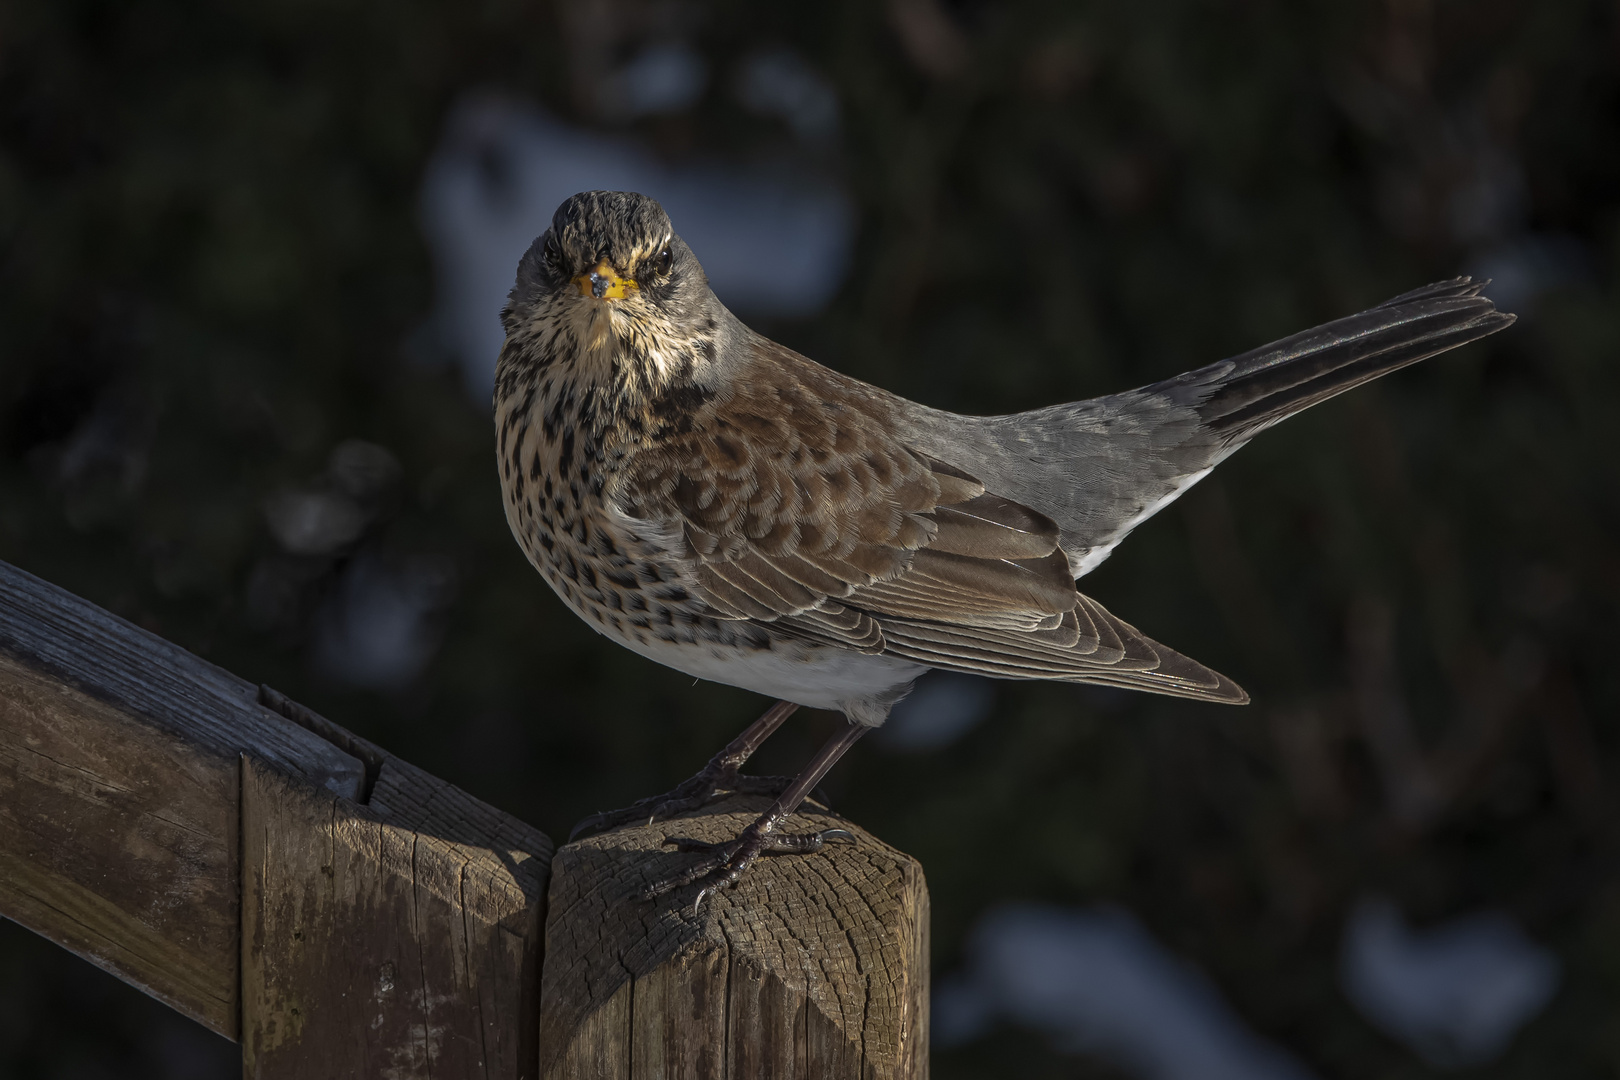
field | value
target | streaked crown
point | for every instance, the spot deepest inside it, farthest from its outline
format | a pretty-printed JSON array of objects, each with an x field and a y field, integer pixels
[{"x": 623, "y": 227}]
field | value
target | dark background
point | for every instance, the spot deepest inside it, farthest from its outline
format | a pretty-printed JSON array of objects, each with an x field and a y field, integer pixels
[{"x": 212, "y": 275}]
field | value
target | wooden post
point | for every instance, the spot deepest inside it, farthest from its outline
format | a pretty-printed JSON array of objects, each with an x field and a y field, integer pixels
[
  {"x": 813, "y": 966},
  {"x": 119, "y": 813},
  {"x": 140, "y": 787},
  {"x": 370, "y": 949},
  {"x": 342, "y": 913}
]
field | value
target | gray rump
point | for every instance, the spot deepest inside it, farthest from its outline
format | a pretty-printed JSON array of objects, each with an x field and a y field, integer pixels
[{"x": 1101, "y": 467}]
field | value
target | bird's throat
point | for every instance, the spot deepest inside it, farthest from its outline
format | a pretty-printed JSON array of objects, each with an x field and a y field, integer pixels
[
  {"x": 598, "y": 336},
  {"x": 582, "y": 364}
]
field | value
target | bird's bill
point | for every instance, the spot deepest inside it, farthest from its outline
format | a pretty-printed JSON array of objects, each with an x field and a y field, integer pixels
[{"x": 604, "y": 283}]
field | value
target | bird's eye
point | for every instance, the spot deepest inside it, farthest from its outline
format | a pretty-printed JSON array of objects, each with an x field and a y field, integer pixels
[{"x": 665, "y": 260}]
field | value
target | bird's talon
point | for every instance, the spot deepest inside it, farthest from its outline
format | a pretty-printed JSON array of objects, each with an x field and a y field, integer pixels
[
  {"x": 686, "y": 843},
  {"x": 697, "y": 791}
]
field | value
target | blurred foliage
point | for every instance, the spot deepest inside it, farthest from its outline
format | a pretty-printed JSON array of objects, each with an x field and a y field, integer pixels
[{"x": 211, "y": 277}]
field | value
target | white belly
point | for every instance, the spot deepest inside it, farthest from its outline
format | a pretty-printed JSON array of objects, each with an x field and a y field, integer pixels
[{"x": 861, "y": 686}]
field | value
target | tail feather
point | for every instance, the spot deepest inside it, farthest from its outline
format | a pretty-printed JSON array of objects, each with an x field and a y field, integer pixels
[
  {"x": 1239, "y": 397},
  {"x": 1100, "y": 468},
  {"x": 1463, "y": 287}
]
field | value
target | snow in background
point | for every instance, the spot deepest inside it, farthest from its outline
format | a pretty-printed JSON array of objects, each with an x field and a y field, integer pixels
[
  {"x": 1096, "y": 981},
  {"x": 1456, "y": 993}
]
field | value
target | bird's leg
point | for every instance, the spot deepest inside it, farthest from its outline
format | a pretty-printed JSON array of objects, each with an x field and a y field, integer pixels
[
  {"x": 715, "y": 778},
  {"x": 726, "y": 862}
]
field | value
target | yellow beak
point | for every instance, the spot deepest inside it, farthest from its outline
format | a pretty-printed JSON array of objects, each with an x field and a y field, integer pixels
[{"x": 604, "y": 283}]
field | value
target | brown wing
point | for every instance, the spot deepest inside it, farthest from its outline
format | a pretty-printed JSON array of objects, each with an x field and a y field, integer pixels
[{"x": 797, "y": 507}]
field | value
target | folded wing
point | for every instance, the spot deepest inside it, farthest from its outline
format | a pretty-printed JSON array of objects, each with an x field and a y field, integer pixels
[{"x": 796, "y": 506}]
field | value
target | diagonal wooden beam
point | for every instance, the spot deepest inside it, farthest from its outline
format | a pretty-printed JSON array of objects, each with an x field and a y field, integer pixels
[
  {"x": 122, "y": 808},
  {"x": 342, "y": 913}
]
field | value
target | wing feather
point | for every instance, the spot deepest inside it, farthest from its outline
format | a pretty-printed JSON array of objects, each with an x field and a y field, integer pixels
[
  {"x": 835, "y": 624},
  {"x": 831, "y": 530}
]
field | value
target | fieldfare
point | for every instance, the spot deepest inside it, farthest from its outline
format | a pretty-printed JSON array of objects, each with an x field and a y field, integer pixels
[{"x": 729, "y": 508}]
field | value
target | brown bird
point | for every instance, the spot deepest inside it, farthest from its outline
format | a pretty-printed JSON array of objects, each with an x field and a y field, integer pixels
[{"x": 727, "y": 507}]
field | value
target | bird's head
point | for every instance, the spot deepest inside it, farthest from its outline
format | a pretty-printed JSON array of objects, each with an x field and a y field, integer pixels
[
  {"x": 610, "y": 246},
  {"x": 611, "y": 277}
]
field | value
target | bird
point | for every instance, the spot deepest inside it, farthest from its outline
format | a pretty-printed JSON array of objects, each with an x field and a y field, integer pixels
[{"x": 725, "y": 506}]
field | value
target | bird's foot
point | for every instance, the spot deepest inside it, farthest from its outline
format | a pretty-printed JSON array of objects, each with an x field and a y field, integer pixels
[
  {"x": 708, "y": 785},
  {"x": 727, "y": 862}
]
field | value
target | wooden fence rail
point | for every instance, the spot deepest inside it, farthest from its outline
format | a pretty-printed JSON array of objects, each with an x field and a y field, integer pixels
[{"x": 342, "y": 913}]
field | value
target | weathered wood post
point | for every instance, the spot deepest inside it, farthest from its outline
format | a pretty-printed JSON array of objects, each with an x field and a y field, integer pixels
[
  {"x": 336, "y": 910},
  {"x": 342, "y": 913},
  {"x": 812, "y": 966},
  {"x": 395, "y": 939}
]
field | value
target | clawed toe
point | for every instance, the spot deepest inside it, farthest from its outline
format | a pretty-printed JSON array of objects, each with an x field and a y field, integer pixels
[
  {"x": 728, "y": 861},
  {"x": 644, "y": 812},
  {"x": 804, "y": 843},
  {"x": 717, "y": 778},
  {"x": 699, "y": 791},
  {"x": 723, "y": 864},
  {"x": 786, "y": 844}
]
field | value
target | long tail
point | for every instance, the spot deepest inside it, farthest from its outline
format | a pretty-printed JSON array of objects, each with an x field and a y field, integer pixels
[
  {"x": 1100, "y": 468},
  {"x": 1239, "y": 397}
]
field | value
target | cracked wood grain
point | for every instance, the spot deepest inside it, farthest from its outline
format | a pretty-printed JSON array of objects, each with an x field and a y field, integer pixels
[
  {"x": 53, "y": 632},
  {"x": 379, "y": 949},
  {"x": 118, "y": 794},
  {"x": 813, "y": 966},
  {"x": 205, "y": 840},
  {"x": 127, "y": 768}
]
